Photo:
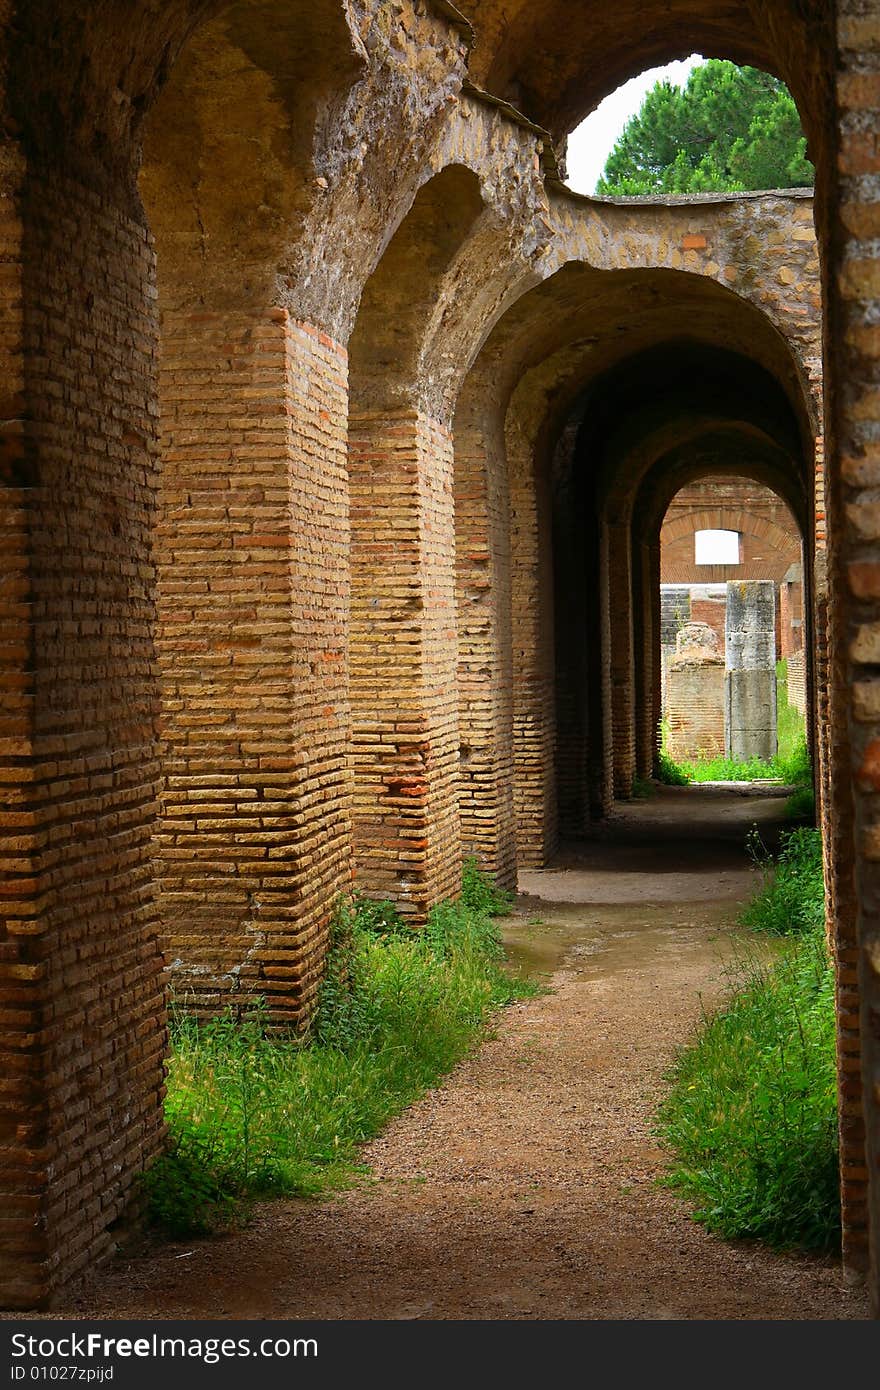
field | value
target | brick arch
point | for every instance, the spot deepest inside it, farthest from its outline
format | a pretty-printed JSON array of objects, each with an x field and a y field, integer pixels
[
  {"x": 727, "y": 519},
  {"x": 405, "y": 747},
  {"x": 79, "y": 261},
  {"x": 557, "y": 62},
  {"x": 531, "y": 386}
]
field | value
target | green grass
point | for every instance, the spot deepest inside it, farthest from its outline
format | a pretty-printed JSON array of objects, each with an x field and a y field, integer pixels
[
  {"x": 790, "y": 765},
  {"x": 722, "y": 769},
  {"x": 669, "y": 772},
  {"x": 251, "y": 1114},
  {"x": 751, "y": 1115},
  {"x": 790, "y": 732},
  {"x": 791, "y": 901}
]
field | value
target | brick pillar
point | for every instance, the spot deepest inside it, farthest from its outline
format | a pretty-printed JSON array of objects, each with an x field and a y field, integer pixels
[
  {"x": 645, "y": 651},
  {"x": 852, "y": 477},
  {"x": 620, "y": 632},
  {"x": 835, "y": 817},
  {"x": 534, "y": 714},
  {"x": 656, "y": 653},
  {"x": 80, "y": 967},
  {"x": 485, "y": 681},
  {"x": 404, "y": 651},
  {"x": 608, "y": 597},
  {"x": 253, "y": 583}
]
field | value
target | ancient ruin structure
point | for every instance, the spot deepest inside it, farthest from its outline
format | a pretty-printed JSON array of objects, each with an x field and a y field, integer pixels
[
  {"x": 750, "y": 658},
  {"x": 768, "y": 543},
  {"x": 695, "y": 695},
  {"x": 764, "y": 544},
  {"x": 337, "y": 436}
]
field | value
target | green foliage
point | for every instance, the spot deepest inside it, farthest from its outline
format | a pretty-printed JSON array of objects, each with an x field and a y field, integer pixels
[
  {"x": 642, "y": 789},
  {"x": 752, "y": 1113},
  {"x": 795, "y": 766},
  {"x": 729, "y": 129},
  {"x": 251, "y": 1114},
  {"x": 480, "y": 894},
  {"x": 801, "y": 805},
  {"x": 793, "y": 757},
  {"x": 669, "y": 772},
  {"x": 722, "y": 769},
  {"x": 791, "y": 901},
  {"x": 790, "y": 732}
]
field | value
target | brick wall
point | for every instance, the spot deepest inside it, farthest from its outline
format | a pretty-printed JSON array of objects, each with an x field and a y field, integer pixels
[
  {"x": 851, "y": 728},
  {"x": 791, "y": 617},
  {"x": 534, "y": 722},
  {"x": 485, "y": 681},
  {"x": 647, "y": 655},
  {"x": 770, "y": 541},
  {"x": 404, "y": 656},
  {"x": 620, "y": 654},
  {"x": 252, "y": 545},
  {"x": 797, "y": 682},
  {"x": 712, "y": 611},
  {"x": 80, "y": 967}
]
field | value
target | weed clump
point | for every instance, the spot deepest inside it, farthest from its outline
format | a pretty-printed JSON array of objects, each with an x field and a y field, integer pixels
[
  {"x": 253, "y": 1114},
  {"x": 751, "y": 1115},
  {"x": 791, "y": 901},
  {"x": 669, "y": 772}
]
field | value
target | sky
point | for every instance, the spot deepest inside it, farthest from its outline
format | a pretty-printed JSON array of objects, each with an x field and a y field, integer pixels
[{"x": 590, "y": 145}]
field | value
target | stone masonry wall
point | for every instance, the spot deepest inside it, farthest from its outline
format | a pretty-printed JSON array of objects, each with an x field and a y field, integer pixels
[
  {"x": 253, "y": 838},
  {"x": 852, "y": 741}
]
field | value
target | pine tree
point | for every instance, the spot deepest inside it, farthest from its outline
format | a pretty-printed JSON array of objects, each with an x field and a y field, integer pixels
[{"x": 729, "y": 129}]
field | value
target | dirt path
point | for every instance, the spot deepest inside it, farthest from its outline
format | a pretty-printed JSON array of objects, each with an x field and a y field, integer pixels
[{"x": 524, "y": 1188}]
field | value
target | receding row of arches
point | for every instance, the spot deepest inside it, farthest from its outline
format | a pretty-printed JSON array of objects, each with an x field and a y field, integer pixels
[{"x": 337, "y": 441}]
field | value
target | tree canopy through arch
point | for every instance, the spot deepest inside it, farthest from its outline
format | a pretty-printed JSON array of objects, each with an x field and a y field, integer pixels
[{"x": 729, "y": 129}]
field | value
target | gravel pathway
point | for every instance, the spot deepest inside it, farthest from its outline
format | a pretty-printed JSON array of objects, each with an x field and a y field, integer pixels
[{"x": 525, "y": 1186}]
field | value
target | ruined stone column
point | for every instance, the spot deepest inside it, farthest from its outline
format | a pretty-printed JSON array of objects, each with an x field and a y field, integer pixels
[
  {"x": 405, "y": 741},
  {"x": 695, "y": 694},
  {"x": 750, "y": 646}
]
